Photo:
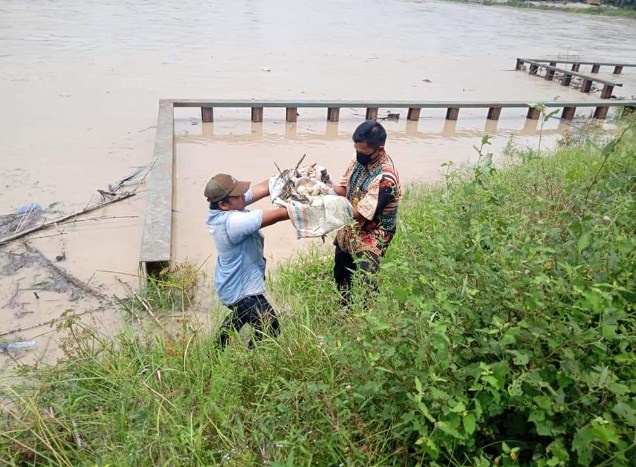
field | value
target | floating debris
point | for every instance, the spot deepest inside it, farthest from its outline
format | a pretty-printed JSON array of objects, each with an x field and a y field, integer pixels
[{"x": 17, "y": 346}]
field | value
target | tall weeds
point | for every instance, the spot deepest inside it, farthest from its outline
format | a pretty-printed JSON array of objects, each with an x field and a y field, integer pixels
[{"x": 504, "y": 333}]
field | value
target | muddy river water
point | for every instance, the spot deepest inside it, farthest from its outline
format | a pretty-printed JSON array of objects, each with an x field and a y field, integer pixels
[{"x": 80, "y": 81}]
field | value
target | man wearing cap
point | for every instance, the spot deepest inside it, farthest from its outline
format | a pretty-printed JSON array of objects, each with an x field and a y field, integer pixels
[{"x": 239, "y": 278}]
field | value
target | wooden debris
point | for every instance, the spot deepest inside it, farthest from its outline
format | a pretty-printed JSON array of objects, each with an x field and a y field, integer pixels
[{"x": 52, "y": 222}]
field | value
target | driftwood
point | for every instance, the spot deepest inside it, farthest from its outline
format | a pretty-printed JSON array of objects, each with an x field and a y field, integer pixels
[
  {"x": 74, "y": 281},
  {"x": 65, "y": 218}
]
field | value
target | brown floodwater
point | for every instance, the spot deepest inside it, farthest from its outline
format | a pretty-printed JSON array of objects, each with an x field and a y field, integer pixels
[{"x": 80, "y": 83}]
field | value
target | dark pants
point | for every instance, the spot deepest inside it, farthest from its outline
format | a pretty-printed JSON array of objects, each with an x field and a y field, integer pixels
[
  {"x": 254, "y": 310},
  {"x": 344, "y": 267}
]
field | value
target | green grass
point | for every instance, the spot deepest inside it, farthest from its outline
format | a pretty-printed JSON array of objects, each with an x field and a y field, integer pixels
[{"x": 504, "y": 333}]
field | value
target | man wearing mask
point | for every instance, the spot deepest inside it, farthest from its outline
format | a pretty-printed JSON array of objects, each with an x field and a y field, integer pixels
[{"x": 372, "y": 185}]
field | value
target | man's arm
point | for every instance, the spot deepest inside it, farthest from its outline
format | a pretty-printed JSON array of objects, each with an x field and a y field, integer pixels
[
  {"x": 260, "y": 190},
  {"x": 340, "y": 190},
  {"x": 243, "y": 223},
  {"x": 380, "y": 195},
  {"x": 359, "y": 218},
  {"x": 272, "y": 216}
]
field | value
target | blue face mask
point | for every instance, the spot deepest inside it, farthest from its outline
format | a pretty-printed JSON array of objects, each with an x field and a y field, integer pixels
[{"x": 364, "y": 159}]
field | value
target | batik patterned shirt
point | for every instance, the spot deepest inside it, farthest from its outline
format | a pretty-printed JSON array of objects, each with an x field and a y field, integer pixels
[{"x": 375, "y": 191}]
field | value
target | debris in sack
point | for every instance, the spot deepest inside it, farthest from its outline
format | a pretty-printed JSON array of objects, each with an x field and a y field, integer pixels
[
  {"x": 302, "y": 184},
  {"x": 16, "y": 346},
  {"x": 314, "y": 208}
]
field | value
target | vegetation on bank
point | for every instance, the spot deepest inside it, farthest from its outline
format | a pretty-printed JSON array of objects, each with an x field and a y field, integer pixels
[
  {"x": 606, "y": 9},
  {"x": 504, "y": 334}
]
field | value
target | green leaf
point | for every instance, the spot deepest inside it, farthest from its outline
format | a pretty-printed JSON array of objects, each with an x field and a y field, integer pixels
[
  {"x": 536, "y": 416},
  {"x": 550, "y": 115},
  {"x": 597, "y": 431},
  {"x": 626, "y": 412},
  {"x": 609, "y": 148},
  {"x": 389, "y": 352},
  {"x": 584, "y": 241},
  {"x": 469, "y": 423},
  {"x": 491, "y": 380},
  {"x": 446, "y": 428},
  {"x": 424, "y": 410},
  {"x": 459, "y": 407},
  {"x": 520, "y": 358},
  {"x": 618, "y": 388},
  {"x": 369, "y": 388},
  {"x": 486, "y": 163},
  {"x": 559, "y": 452}
]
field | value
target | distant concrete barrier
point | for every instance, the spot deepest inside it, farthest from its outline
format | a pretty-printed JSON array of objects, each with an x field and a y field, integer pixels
[{"x": 156, "y": 240}]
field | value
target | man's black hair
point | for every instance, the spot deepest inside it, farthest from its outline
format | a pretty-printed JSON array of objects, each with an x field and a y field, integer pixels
[
  {"x": 371, "y": 133},
  {"x": 215, "y": 204}
]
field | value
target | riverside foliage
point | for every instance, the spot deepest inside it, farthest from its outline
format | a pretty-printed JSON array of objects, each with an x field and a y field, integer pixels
[{"x": 504, "y": 333}]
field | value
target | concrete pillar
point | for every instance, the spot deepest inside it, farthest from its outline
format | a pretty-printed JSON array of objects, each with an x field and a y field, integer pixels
[
  {"x": 257, "y": 114},
  {"x": 533, "y": 114},
  {"x": 568, "y": 113},
  {"x": 567, "y": 79},
  {"x": 493, "y": 113},
  {"x": 549, "y": 74},
  {"x": 600, "y": 113},
  {"x": 414, "y": 114},
  {"x": 292, "y": 114},
  {"x": 452, "y": 113},
  {"x": 372, "y": 113},
  {"x": 207, "y": 114},
  {"x": 333, "y": 114}
]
